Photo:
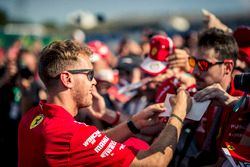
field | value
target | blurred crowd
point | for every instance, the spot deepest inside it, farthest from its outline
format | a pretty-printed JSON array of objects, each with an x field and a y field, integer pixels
[{"x": 137, "y": 74}]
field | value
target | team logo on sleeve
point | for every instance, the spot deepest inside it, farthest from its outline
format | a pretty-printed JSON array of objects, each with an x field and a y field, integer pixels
[
  {"x": 230, "y": 147},
  {"x": 36, "y": 121}
]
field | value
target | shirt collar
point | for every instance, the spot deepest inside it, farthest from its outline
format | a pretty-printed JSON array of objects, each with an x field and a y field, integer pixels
[{"x": 52, "y": 110}]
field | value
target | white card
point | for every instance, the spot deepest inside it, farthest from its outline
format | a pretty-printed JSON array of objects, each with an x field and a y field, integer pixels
[
  {"x": 229, "y": 156},
  {"x": 196, "y": 112}
]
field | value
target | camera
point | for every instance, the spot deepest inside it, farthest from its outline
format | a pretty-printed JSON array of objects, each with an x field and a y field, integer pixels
[{"x": 242, "y": 81}]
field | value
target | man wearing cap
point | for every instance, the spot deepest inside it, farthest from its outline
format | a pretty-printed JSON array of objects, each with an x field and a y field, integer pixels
[{"x": 168, "y": 76}]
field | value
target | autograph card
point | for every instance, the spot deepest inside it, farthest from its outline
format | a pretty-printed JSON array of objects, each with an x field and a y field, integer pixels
[{"x": 196, "y": 112}]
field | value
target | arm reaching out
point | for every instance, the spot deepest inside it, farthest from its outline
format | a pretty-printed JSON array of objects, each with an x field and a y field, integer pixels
[
  {"x": 161, "y": 151},
  {"x": 212, "y": 21}
]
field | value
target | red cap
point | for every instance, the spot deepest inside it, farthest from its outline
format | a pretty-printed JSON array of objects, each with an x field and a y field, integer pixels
[
  {"x": 101, "y": 50},
  {"x": 245, "y": 54},
  {"x": 160, "y": 48},
  {"x": 242, "y": 36}
]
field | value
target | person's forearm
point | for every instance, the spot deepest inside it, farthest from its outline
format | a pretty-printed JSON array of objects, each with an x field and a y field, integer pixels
[
  {"x": 162, "y": 150},
  {"x": 231, "y": 101},
  {"x": 114, "y": 117},
  {"x": 119, "y": 133}
]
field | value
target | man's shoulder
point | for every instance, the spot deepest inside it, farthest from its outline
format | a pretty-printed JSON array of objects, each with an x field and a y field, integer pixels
[{"x": 30, "y": 114}]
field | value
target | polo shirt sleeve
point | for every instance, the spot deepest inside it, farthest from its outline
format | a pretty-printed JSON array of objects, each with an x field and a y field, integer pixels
[{"x": 90, "y": 147}]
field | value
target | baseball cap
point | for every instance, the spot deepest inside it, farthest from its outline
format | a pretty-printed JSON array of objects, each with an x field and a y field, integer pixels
[
  {"x": 105, "y": 75},
  {"x": 128, "y": 63},
  {"x": 242, "y": 37},
  {"x": 100, "y": 50},
  {"x": 160, "y": 48},
  {"x": 245, "y": 52}
]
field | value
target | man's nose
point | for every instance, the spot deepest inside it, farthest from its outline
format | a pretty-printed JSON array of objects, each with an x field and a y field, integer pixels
[{"x": 94, "y": 81}]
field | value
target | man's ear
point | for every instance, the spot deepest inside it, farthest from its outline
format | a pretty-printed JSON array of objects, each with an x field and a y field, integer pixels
[
  {"x": 229, "y": 66},
  {"x": 66, "y": 79}
]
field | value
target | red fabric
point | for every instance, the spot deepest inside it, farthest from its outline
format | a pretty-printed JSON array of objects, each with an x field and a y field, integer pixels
[
  {"x": 245, "y": 54},
  {"x": 238, "y": 152},
  {"x": 59, "y": 140},
  {"x": 232, "y": 124},
  {"x": 167, "y": 87},
  {"x": 247, "y": 133},
  {"x": 114, "y": 93},
  {"x": 136, "y": 144},
  {"x": 99, "y": 48},
  {"x": 241, "y": 34},
  {"x": 161, "y": 47},
  {"x": 205, "y": 125}
]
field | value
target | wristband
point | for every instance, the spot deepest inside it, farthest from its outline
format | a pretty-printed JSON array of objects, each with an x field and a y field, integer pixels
[
  {"x": 132, "y": 127},
  {"x": 177, "y": 117},
  {"x": 117, "y": 118}
]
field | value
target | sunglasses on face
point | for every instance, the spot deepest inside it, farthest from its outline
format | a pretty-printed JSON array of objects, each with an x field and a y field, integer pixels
[
  {"x": 204, "y": 65},
  {"x": 88, "y": 72}
]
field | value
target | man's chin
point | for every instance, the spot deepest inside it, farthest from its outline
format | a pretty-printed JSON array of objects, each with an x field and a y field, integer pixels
[{"x": 86, "y": 105}]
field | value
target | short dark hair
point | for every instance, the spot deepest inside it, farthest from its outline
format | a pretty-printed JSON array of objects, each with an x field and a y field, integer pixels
[
  {"x": 223, "y": 43},
  {"x": 57, "y": 57}
]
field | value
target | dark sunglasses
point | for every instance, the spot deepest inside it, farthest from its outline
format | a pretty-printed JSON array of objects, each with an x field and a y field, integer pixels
[
  {"x": 204, "y": 65},
  {"x": 88, "y": 72}
]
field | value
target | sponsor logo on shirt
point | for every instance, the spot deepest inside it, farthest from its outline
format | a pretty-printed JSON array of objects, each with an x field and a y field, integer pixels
[
  {"x": 109, "y": 149},
  {"x": 122, "y": 147},
  {"x": 91, "y": 139},
  {"x": 36, "y": 121},
  {"x": 101, "y": 144}
]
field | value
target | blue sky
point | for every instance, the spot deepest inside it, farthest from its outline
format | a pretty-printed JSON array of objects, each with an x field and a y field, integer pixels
[{"x": 57, "y": 10}]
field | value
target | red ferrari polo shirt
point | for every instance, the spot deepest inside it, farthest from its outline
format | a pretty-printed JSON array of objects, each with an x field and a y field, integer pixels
[{"x": 49, "y": 136}]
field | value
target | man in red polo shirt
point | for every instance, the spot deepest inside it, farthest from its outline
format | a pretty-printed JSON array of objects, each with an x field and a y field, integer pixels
[
  {"x": 49, "y": 135},
  {"x": 213, "y": 66}
]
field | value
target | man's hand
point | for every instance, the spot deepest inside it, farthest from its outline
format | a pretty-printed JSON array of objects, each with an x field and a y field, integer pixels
[
  {"x": 186, "y": 79},
  {"x": 168, "y": 74},
  {"x": 179, "y": 60},
  {"x": 98, "y": 108},
  {"x": 212, "y": 21},
  {"x": 149, "y": 116},
  {"x": 181, "y": 103},
  {"x": 216, "y": 93}
]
